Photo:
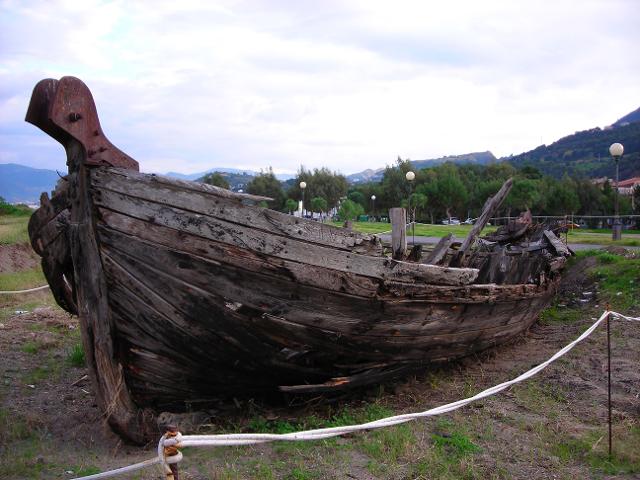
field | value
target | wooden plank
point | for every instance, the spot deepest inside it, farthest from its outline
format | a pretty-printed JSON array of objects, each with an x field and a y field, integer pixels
[
  {"x": 178, "y": 184},
  {"x": 490, "y": 207},
  {"x": 282, "y": 247},
  {"x": 306, "y": 308},
  {"x": 304, "y": 274},
  {"x": 440, "y": 250},
  {"x": 559, "y": 247},
  {"x": 398, "y": 218},
  {"x": 230, "y": 210},
  {"x": 58, "y": 270},
  {"x": 106, "y": 373},
  {"x": 320, "y": 277},
  {"x": 49, "y": 232}
]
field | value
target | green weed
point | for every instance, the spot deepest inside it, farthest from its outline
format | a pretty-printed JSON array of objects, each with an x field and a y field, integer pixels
[
  {"x": 30, "y": 347},
  {"x": 562, "y": 315},
  {"x": 76, "y": 357},
  {"x": 456, "y": 444}
]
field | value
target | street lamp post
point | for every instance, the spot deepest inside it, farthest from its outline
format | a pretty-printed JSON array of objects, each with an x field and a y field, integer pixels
[
  {"x": 616, "y": 150},
  {"x": 410, "y": 176},
  {"x": 373, "y": 205},
  {"x": 303, "y": 185}
]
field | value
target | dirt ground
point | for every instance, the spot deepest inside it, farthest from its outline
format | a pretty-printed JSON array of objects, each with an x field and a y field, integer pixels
[
  {"x": 14, "y": 258},
  {"x": 553, "y": 426}
]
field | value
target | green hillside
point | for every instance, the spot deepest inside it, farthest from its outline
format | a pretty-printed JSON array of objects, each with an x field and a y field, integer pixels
[{"x": 586, "y": 154}]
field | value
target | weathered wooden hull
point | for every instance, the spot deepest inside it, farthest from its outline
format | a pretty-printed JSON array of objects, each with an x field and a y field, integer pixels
[
  {"x": 186, "y": 294},
  {"x": 203, "y": 307}
]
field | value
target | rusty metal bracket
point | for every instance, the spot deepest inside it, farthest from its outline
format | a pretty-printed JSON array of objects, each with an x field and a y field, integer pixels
[{"x": 64, "y": 109}]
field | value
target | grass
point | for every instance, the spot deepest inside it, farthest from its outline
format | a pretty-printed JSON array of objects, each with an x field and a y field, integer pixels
[
  {"x": 618, "y": 278},
  {"x": 606, "y": 231},
  {"x": 557, "y": 313},
  {"x": 20, "y": 445},
  {"x": 76, "y": 357},
  {"x": 31, "y": 347},
  {"x": 592, "y": 448},
  {"x": 629, "y": 238},
  {"x": 421, "y": 229},
  {"x": 450, "y": 454},
  {"x": 22, "y": 280},
  {"x": 13, "y": 229}
]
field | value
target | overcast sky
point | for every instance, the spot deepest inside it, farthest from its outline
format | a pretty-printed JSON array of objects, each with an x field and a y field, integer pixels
[{"x": 189, "y": 85}]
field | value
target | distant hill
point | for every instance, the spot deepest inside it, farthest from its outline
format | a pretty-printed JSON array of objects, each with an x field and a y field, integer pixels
[
  {"x": 628, "y": 118},
  {"x": 236, "y": 171},
  {"x": 21, "y": 184},
  {"x": 586, "y": 153},
  {"x": 481, "y": 158},
  {"x": 237, "y": 181}
]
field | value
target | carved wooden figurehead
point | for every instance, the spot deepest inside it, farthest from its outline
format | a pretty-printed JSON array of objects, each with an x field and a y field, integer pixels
[{"x": 64, "y": 109}]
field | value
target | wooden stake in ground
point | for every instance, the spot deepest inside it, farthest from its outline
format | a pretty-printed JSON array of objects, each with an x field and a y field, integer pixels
[{"x": 398, "y": 218}]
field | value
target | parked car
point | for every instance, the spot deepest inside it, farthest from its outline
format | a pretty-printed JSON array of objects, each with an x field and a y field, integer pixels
[
  {"x": 451, "y": 221},
  {"x": 469, "y": 221}
]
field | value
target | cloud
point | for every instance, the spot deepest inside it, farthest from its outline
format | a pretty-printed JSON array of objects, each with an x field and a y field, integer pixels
[{"x": 249, "y": 84}]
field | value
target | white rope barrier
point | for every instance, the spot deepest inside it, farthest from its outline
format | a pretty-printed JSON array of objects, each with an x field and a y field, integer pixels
[
  {"x": 234, "y": 439},
  {"x": 6, "y": 292}
]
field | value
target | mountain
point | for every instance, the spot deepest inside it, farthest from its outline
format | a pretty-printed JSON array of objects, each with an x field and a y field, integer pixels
[
  {"x": 586, "y": 153},
  {"x": 20, "y": 184},
  {"x": 628, "y": 118},
  {"x": 237, "y": 181},
  {"x": 236, "y": 171},
  {"x": 481, "y": 158}
]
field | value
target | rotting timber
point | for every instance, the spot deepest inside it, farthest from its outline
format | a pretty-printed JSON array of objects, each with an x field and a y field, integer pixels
[{"x": 187, "y": 293}]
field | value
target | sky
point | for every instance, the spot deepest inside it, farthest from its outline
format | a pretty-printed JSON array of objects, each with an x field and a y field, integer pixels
[{"x": 349, "y": 85}]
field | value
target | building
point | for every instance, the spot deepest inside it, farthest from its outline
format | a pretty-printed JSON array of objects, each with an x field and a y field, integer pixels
[{"x": 625, "y": 187}]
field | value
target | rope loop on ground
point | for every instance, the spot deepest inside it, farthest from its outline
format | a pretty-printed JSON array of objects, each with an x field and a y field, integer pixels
[{"x": 170, "y": 442}]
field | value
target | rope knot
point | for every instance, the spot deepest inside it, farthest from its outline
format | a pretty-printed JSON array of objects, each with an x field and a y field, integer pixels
[{"x": 169, "y": 453}]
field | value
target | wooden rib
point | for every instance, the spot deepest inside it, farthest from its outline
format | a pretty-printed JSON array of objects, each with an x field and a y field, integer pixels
[{"x": 440, "y": 250}]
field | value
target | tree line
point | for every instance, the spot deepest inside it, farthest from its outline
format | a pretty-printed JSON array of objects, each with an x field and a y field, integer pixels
[{"x": 447, "y": 190}]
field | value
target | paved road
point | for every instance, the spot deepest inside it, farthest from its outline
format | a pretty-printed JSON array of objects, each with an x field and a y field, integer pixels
[{"x": 386, "y": 237}]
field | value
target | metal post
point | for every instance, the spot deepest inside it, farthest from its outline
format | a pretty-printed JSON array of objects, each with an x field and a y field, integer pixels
[
  {"x": 617, "y": 226},
  {"x": 609, "y": 377}
]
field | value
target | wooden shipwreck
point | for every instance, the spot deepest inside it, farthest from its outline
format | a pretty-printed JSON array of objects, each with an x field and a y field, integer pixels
[{"x": 187, "y": 293}]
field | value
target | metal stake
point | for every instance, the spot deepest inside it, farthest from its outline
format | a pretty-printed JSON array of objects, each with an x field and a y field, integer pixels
[{"x": 609, "y": 375}]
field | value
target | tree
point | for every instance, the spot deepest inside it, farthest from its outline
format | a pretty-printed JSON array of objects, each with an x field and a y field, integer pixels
[
  {"x": 358, "y": 197},
  {"x": 216, "y": 179},
  {"x": 418, "y": 204},
  {"x": 349, "y": 210},
  {"x": 267, "y": 185},
  {"x": 290, "y": 205},
  {"x": 563, "y": 198},
  {"x": 320, "y": 183},
  {"x": 524, "y": 193},
  {"x": 318, "y": 204},
  {"x": 395, "y": 186},
  {"x": 450, "y": 192}
]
